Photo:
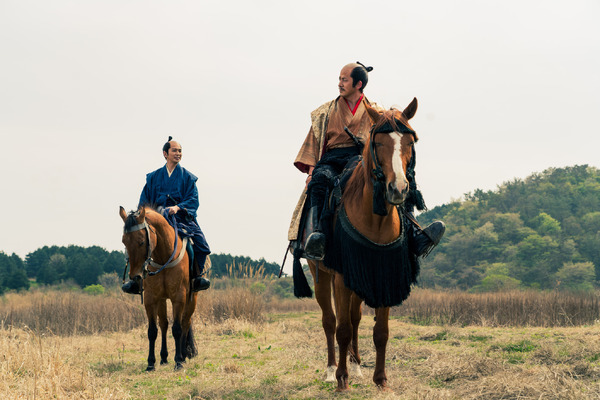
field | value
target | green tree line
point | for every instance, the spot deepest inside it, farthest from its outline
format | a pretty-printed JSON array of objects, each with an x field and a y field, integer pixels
[
  {"x": 84, "y": 265},
  {"x": 539, "y": 232}
]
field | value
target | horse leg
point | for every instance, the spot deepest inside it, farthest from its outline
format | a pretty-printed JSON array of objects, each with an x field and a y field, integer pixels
[
  {"x": 164, "y": 325},
  {"x": 152, "y": 334},
  {"x": 355, "y": 317},
  {"x": 177, "y": 332},
  {"x": 381, "y": 333},
  {"x": 190, "y": 344},
  {"x": 323, "y": 296},
  {"x": 188, "y": 348},
  {"x": 344, "y": 329}
]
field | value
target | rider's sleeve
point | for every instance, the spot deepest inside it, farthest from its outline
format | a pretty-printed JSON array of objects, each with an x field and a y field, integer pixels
[
  {"x": 146, "y": 195},
  {"x": 308, "y": 156},
  {"x": 190, "y": 196}
]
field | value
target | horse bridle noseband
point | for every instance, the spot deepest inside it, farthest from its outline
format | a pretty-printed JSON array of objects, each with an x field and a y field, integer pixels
[{"x": 378, "y": 177}]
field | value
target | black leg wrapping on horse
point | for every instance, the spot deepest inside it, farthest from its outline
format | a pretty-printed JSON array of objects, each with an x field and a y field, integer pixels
[
  {"x": 381, "y": 275},
  {"x": 177, "y": 332},
  {"x": 152, "y": 335},
  {"x": 301, "y": 286}
]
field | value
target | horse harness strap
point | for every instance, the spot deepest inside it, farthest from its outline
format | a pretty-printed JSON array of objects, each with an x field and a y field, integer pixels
[
  {"x": 173, "y": 263},
  {"x": 149, "y": 261}
]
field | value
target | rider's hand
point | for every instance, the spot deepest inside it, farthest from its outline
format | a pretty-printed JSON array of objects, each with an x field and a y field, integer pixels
[
  {"x": 309, "y": 177},
  {"x": 173, "y": 210}
]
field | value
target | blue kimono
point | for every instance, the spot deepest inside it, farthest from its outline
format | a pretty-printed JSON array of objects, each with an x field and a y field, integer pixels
[{"x": 177, "y": 190}]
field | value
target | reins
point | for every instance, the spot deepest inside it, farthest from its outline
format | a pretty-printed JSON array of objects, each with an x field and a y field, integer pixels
[{"x": 171, "y": 262}]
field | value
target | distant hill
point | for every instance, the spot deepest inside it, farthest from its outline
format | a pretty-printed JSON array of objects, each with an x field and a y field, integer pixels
[{"x": 540, "y": 232}]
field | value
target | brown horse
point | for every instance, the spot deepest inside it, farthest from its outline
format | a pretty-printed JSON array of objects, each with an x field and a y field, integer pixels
[
  {"x": 149, "y": 240},
  {"x": 376, "y": 187}
]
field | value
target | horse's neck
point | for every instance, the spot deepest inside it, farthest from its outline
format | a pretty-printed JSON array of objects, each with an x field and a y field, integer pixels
[
  {"x": 377, "y": 228},
  {"x": 164, "y": 238}
]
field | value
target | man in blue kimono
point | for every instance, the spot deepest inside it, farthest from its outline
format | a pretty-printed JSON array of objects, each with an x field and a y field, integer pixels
[{"x": 173, "y": 188}]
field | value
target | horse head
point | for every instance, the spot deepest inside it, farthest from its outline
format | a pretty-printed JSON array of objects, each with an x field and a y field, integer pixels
[
  {"x": 137, "y": 241},
  {"x": 391, "y": 153}
]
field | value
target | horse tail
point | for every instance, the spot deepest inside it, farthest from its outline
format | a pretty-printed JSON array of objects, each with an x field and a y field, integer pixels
[{"x": 301, "y": 286}]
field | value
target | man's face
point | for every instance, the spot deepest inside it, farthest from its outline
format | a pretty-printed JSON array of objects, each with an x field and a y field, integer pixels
[
  {"x": 174, "y": 155},
  {"x": 345, "y": 83}
]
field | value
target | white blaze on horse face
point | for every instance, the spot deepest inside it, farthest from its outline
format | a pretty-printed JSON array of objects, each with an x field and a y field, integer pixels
[{"x": 397, "y": 166}]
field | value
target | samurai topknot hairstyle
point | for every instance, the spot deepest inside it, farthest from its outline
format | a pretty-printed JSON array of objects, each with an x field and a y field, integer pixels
[
  {"x": 167, "y": 145},
  {"x": 360, "y": 73}
]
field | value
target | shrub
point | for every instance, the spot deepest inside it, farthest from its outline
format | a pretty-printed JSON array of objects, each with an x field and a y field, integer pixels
[
  {"x": 94, "y": 290},
  {"x": 576, "y": 277}
]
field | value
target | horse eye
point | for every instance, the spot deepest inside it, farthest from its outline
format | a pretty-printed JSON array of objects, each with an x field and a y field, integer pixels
[{"x": 142, "y": 242}]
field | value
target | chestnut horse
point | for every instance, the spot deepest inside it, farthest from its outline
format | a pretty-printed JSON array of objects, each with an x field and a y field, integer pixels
[
  {"x": 149, "y": 241},
  {"x": 377, "y": 186}
]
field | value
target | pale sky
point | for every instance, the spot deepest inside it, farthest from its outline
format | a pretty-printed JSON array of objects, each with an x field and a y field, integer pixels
[{"x": 90, "y": 91}]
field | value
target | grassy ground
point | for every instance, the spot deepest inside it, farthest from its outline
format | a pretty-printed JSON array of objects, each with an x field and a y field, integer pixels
[{"x": 284, "y": 357}]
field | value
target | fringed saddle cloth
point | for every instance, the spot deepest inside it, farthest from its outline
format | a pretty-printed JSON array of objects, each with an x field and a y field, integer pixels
[{"x": 380, "y": 274}]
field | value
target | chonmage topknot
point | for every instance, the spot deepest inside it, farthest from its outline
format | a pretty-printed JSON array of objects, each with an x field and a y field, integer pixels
[{"x": 369, "y": 69}]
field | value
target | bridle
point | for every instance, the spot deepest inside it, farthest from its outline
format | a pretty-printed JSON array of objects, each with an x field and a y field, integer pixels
[
  {"x": 171, "y": 262},
  {"x": 378, "y": 176}
]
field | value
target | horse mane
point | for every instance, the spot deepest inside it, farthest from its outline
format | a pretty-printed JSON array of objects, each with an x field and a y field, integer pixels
[
  {"x": 396, "y": 119},
  {"x": 360, "y": 178},
  {"x": 131, "y": 220}
]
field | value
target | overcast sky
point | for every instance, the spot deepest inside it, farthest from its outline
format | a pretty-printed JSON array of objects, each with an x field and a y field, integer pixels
[{"x": 90, "y": 91}]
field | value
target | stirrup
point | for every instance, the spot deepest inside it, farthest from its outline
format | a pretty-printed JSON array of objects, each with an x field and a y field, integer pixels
[
  {"x": 315, "y": 246},
  {"x": 430, "y": 238},
  {"x": 132, "y": 287},
  {"x": 199, "y": 283}
]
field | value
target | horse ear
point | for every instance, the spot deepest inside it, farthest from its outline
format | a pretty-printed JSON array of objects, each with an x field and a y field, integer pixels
[
  {"x": 122, "y": 213},
  {"x": 411, "y": 109},
  {"x": 373, "y": 113},
  {"x": 142, "y": 212}
]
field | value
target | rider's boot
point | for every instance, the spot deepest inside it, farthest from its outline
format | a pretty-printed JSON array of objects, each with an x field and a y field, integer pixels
[
  {"x": 314, "y": 249},
  {"x": 424, "y": 240},
  {"x": 198, "y": 281},
  {"x": 134, "y": 286}
]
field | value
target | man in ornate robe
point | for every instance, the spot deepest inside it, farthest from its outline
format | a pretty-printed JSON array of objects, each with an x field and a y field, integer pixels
[
  {"x": 173, "y": 188},
  {"x": 327, "y": 147},
  {"x": 326, "y": 150}
]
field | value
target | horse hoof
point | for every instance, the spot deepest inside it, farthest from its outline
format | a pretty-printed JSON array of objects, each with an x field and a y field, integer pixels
[
  {"x": 355, "y": 370},
  {"x": 384, "y": 388},
  {"x": 342, "y": 385},
  {"x": 150, "y": 368},
  {"x": 178, "y": 366},
  {"x": 330, "y": 374},
  {"x": 163, "y": 362}
]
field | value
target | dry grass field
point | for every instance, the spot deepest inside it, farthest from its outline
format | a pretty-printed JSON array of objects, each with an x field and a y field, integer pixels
[{"x": 253, "y": 349}]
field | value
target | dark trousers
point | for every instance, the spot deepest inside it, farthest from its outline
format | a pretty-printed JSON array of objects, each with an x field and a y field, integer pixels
[
  {"x": 188, "y": 227},
  {"x": 331, "y": 165}
]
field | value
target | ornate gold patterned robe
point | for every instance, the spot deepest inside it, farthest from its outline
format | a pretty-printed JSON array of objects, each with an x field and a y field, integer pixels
[{"x": 326, "y": 133}]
